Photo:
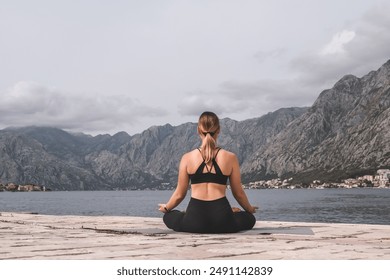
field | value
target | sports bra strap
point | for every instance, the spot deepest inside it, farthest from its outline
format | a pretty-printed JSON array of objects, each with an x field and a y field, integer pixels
[
  {"x": 216, "y": 167},
  {"x": 217, "y": 153}
]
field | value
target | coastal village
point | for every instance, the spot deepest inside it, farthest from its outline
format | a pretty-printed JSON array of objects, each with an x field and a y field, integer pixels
[
  {"x": 12, "y": 187},
  {"x": 380, "y": 180}
]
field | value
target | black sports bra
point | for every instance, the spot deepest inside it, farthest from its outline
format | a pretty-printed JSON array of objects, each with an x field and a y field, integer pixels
[{"x": 207, "y": 177}]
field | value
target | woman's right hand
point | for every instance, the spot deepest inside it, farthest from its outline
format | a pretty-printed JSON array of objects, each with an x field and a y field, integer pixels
[{"x": 253, "y": 209}]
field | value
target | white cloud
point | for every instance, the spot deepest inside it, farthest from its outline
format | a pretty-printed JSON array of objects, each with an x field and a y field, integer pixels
[
  {"x": 339, "y": 40},
  {"x": 355, "y": 52},
  {"x": 29, "y": 103}
]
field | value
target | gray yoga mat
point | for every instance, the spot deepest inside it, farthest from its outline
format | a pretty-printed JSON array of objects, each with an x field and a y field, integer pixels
[{"x": 298, "y": 230}]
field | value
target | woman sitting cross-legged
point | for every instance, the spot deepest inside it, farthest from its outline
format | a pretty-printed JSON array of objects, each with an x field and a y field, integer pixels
[{"x": 209, "y": 168}]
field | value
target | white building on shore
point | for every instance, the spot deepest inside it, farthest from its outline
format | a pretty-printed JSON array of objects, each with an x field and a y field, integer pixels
[
  {"x": 382, "y": 177},
  {"x": 380, "y": 180}
]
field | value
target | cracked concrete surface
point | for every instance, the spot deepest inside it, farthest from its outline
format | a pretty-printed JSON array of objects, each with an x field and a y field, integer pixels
[{"x": 31, "y": 236}]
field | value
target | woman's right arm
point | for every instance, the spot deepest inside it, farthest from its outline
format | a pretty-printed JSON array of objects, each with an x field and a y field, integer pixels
[
  {"x": 236, "y": 186},
  {"x": 181, "y": 189}
]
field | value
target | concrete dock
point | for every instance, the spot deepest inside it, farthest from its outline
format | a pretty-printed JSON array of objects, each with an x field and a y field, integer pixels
[{"x": 31, "y": 236}]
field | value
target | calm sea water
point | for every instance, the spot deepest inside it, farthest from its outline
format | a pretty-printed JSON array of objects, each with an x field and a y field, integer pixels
[{"x": 368, "y": 206}]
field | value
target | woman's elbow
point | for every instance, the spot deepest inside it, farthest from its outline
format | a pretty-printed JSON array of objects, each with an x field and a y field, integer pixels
[{"x": 179, "y": 196}]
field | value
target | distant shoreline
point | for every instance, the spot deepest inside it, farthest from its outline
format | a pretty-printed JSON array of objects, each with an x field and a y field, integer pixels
[{"x": 380, "y": 180}]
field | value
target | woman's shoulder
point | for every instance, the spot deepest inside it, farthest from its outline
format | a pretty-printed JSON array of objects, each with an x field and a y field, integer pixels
[
  {"x": 226, "y": 153},
  {"x": 190, "y": 154}
]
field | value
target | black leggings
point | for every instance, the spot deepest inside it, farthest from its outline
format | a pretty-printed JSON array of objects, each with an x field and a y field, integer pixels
[{"x": 214, "y": 216}]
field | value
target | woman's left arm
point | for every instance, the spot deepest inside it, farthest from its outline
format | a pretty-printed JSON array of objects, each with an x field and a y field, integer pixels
[
  {"x": 181, "y": 189},
  {"x": 236, "y": 186}
]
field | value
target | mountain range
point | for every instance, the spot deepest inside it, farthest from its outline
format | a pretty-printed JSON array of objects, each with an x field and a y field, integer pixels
[{"x": 344, "y": 133}]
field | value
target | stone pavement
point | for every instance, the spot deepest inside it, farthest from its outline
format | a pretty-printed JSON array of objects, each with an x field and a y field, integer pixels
[{"x": 30, "y": 236}]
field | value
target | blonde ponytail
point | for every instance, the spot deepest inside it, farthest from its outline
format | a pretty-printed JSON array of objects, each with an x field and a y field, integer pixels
[
  {"x": 208, "y": 126},
  {"x": 208, "y": 147}
]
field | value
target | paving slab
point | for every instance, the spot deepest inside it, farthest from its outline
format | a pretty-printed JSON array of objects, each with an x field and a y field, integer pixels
[{"x": 32, "y": 236}]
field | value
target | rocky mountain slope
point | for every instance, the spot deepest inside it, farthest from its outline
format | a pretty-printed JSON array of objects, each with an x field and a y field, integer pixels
[{"x": 345, "y": 132}]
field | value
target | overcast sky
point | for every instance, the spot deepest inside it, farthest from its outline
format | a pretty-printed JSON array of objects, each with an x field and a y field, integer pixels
[{"x": 99, "y": 66}]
